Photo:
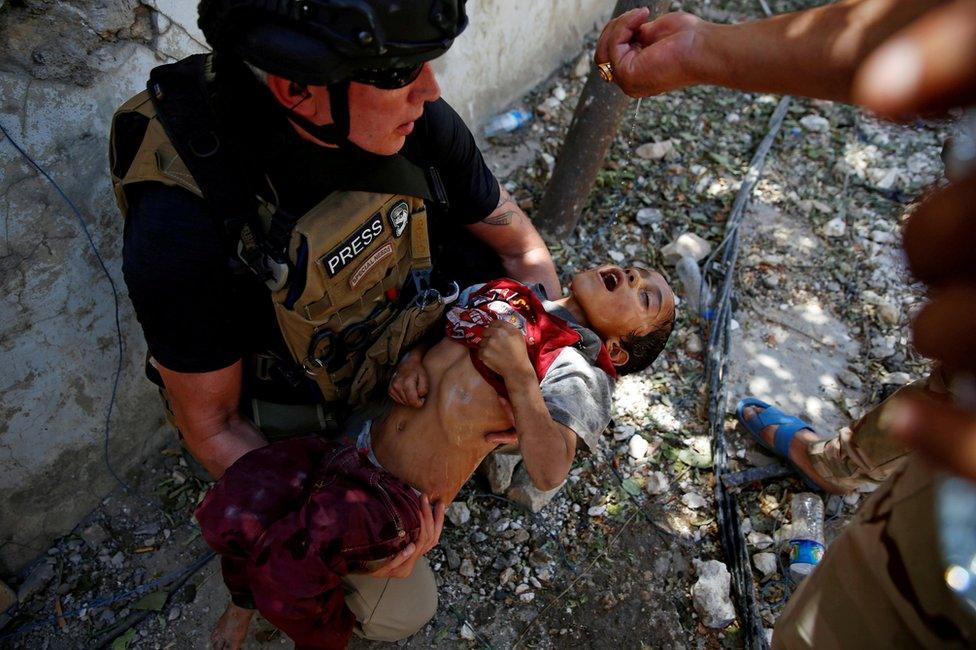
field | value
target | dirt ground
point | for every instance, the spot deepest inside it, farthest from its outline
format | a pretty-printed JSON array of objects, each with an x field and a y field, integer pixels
[{"x": 822, "y": 307}]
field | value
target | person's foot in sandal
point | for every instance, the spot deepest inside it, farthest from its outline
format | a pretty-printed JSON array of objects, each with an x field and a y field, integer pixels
[{"x": 799, "y": 447}]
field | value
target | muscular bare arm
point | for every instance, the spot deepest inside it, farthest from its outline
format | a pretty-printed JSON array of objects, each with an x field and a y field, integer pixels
[
  {"x": 524, "y": 254},
  {"x": 814, "y": 52},
  {"x": 207, "y": 410}
]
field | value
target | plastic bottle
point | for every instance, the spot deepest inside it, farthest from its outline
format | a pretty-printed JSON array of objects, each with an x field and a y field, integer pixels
[
  {"x": 806, "y": 542},
  {"x": 696, "y": 293},
  {"x": 507, "y": 122}
]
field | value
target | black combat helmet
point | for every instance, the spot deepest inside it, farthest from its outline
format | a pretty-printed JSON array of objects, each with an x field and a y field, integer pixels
[
  {"x": 322, "y": 42},
  {"x": 383, "y": 43}
]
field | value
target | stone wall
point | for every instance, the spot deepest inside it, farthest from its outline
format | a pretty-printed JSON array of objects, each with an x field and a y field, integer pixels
[{"x": 64, "y": 67}]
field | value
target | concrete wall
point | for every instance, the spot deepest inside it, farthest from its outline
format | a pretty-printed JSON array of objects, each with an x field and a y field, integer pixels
[
  {"x": 64, "y": 66},
  {"x": 510, "y": 46}
]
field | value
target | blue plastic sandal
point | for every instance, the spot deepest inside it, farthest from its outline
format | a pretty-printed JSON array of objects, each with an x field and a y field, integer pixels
[{"x": 788, "y": 425}]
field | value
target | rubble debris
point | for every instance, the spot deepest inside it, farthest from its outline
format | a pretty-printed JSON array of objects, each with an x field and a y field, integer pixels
[
  {"x": 686, "y": 245},
  {"x": 655, "y": 150},
  {"x": 765, "y": 562},
  {"x": 710, "y": 594},
  {"x": 458, "y": 513},
  {"x": 815, "y": 123}
]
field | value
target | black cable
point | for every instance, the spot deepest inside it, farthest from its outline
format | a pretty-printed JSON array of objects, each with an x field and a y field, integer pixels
[
  {"x": 111, "y": 404},
  {"x": 105, "y": 601},
  {"x": 719, "y": 342},
  {"x": 115, "y": 302}
]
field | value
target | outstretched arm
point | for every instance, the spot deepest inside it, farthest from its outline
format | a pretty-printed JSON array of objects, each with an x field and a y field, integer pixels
[
  {"x": 814, "y": 52},
  {"x": 547, "y": 446},
  {"x": 525, "y": 256}
]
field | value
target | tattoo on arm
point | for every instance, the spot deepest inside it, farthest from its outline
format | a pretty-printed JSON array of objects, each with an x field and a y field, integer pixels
[
  {"x": 504, "y": 213},
  {"x": 503, "y": 219}
]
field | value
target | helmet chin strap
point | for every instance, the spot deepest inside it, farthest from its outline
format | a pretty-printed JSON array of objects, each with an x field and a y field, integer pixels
[{"x": 337, "y": 132}]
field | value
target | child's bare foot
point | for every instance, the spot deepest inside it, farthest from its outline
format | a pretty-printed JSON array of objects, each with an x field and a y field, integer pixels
[
  {"x": 231, "y": 629},
  {"x": 798, "y": 450}
]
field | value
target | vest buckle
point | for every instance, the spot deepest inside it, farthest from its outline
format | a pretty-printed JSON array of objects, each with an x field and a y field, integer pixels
[{"x": 273, "y": 273}]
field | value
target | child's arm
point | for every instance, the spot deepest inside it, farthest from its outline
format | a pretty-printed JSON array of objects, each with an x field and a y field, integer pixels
[{"x": 547, "y": 446}]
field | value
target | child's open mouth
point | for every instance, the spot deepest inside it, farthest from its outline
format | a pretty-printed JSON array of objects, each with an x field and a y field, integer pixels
[{"x": 610, "y": 278}]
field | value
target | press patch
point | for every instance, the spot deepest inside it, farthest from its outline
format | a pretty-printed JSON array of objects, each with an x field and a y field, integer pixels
[
  {"x": 339, "y": 257},
  {"x": 385, "y": 251},
  {"x": 399, "y": 215}
]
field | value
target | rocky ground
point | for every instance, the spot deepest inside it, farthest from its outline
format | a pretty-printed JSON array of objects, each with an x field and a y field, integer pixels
[{"x": 822, "y": 312}]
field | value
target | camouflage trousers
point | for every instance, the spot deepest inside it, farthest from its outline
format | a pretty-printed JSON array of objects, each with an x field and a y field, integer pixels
[{"x": 881, "y": 583}]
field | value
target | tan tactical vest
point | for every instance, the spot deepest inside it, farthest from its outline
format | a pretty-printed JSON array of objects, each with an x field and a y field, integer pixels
[{"x": 349, "y": 258}]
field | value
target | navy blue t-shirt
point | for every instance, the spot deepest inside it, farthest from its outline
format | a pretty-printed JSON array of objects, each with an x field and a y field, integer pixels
[{"x": 196, "y": 313}]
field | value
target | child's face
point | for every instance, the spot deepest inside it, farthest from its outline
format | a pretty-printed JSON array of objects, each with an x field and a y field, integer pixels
[{"x": 621, "y": 302}]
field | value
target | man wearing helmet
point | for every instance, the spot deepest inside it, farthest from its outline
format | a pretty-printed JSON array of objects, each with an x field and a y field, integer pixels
[{"x": 310, "y": 160}]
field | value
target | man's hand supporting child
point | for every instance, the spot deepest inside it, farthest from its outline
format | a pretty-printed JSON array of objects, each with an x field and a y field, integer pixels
[
  {"x": 547, "y": 447},
  {"x": 409, "y": 385}
]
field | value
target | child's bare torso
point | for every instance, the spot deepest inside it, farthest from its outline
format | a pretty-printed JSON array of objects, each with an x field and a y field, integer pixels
[{"x": 437, "y": 447}]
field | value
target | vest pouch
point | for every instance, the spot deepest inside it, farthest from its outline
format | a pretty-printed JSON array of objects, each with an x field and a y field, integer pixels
[
  {"x": 376, "y": 368},
  {"x": 350, "y": 255}
]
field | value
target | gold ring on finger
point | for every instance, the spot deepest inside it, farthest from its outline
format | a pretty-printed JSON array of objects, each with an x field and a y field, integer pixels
[{"x": 606, "y": 71}]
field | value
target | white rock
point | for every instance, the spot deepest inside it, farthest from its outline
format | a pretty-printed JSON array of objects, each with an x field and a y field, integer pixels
[
  {"x": 467, "y": 568},
  {"x": 850, "y": 379},
  {"x": 871, "y": 297},
  {"x": 693, "y": 500},
  {"x": 836, "y": 227},
  {"x": 882, "y": 347},
  {"x": 834, "y": 505},
  {"x": 656, "y": 483},
  {"x": 521, "y": 589},
  {"x": 596, "y": 511},
  {"x": 507, "y": 575},
  {"x": 852, "y": 498},
  {"x": 884, "y": 179},
  {"x": 649, "y": 216},
  {"x": 458, "y": 513},
  {"x": 527, "y": 495},
  {"x": 624, "y": 432},
  {"x": 815, "y": 123},
  {"x": 883, "y": 237},
  {"x": 896, "y": 378},
  {"x": 527, "y": 597},
  {"x": 765, "y": 562},
  {"x": 498, "y": 468},
  {"x": 688, "y": 244},
  {"x": 759, "y": 540},
  {"x": 466, "y": 632},
  {"x": 617, "y": 256},
  {"x": 888, "y": 313},
  {"x": 637, "y": 447},
  {"x": 655, "y": 150},
  {"x": 710, "y": 594},
  {"x": 771, "y": 280},
  {"x": 693, "y": 344},
  {"x": 583, "y": 65},
  {"x": 559, "y": 93},
  {"x": 821, "y": 206}
]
